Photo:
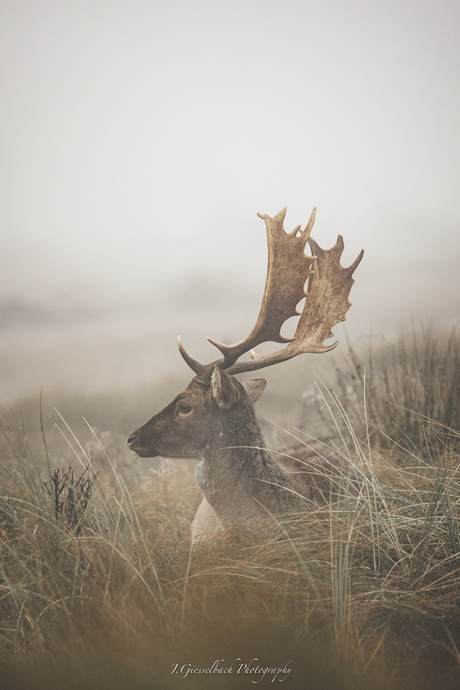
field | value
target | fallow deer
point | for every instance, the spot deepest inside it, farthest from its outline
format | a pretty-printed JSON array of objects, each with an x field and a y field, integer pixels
[{"x": 213, "y": 419}]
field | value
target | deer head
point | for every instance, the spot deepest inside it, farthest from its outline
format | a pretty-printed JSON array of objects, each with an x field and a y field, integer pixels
[
  {"x": 215, "y": 403},
  {"x": 197, "y": 416}
]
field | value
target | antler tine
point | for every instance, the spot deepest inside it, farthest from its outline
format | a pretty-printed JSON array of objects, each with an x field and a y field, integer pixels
[
  {"x": 199, "y": 369},
  {"x": 287, "y": 272}
]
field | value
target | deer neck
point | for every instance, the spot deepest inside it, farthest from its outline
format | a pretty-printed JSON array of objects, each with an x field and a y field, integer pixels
[{"x": 233, "y": 468}]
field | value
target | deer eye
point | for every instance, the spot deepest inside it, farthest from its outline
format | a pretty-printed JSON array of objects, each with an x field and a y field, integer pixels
[{"x": 183, "y": 408}]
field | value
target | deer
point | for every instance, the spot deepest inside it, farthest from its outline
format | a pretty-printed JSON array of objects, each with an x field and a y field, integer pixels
[{"x": 242, "y": 483}]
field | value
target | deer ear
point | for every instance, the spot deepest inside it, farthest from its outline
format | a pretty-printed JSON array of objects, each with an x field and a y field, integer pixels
[
  {"x": 223, "y": 391},
  {"x": 254, "y": 388}
]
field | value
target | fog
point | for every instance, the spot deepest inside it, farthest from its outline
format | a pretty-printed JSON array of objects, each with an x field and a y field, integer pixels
[{"x": 139, "y": 139}]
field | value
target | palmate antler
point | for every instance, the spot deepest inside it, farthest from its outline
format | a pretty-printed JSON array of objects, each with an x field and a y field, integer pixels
[{"x": 289, "y": 269}]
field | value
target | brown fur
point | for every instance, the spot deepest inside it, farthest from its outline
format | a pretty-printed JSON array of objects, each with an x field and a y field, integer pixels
[{"x": 213, "y": 420}]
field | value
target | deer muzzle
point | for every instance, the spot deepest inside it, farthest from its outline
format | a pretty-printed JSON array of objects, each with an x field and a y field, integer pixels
[{"x": 135, "y": 444}]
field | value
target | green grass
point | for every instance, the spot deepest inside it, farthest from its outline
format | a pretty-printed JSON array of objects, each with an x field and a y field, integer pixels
[{"x": 360, "y": 594}]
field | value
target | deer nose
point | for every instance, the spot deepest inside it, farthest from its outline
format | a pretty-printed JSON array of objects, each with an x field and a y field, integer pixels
[{"x": 131, "y": 438}]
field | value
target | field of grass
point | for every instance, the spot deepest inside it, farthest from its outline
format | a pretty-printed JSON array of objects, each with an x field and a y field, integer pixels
[{"x": 100, "y": 588}]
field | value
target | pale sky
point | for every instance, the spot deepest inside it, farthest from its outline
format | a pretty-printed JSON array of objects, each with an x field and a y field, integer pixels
[{"x": 139, "y": 138}]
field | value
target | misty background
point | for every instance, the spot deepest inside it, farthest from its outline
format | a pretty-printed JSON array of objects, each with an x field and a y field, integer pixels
[{"x": 140, "y": 138}]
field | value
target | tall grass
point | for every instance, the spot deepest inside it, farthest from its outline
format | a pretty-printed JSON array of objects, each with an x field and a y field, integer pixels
[
  {"x": 357, "y": 594},
  {"x": 404, "y": 393}
]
